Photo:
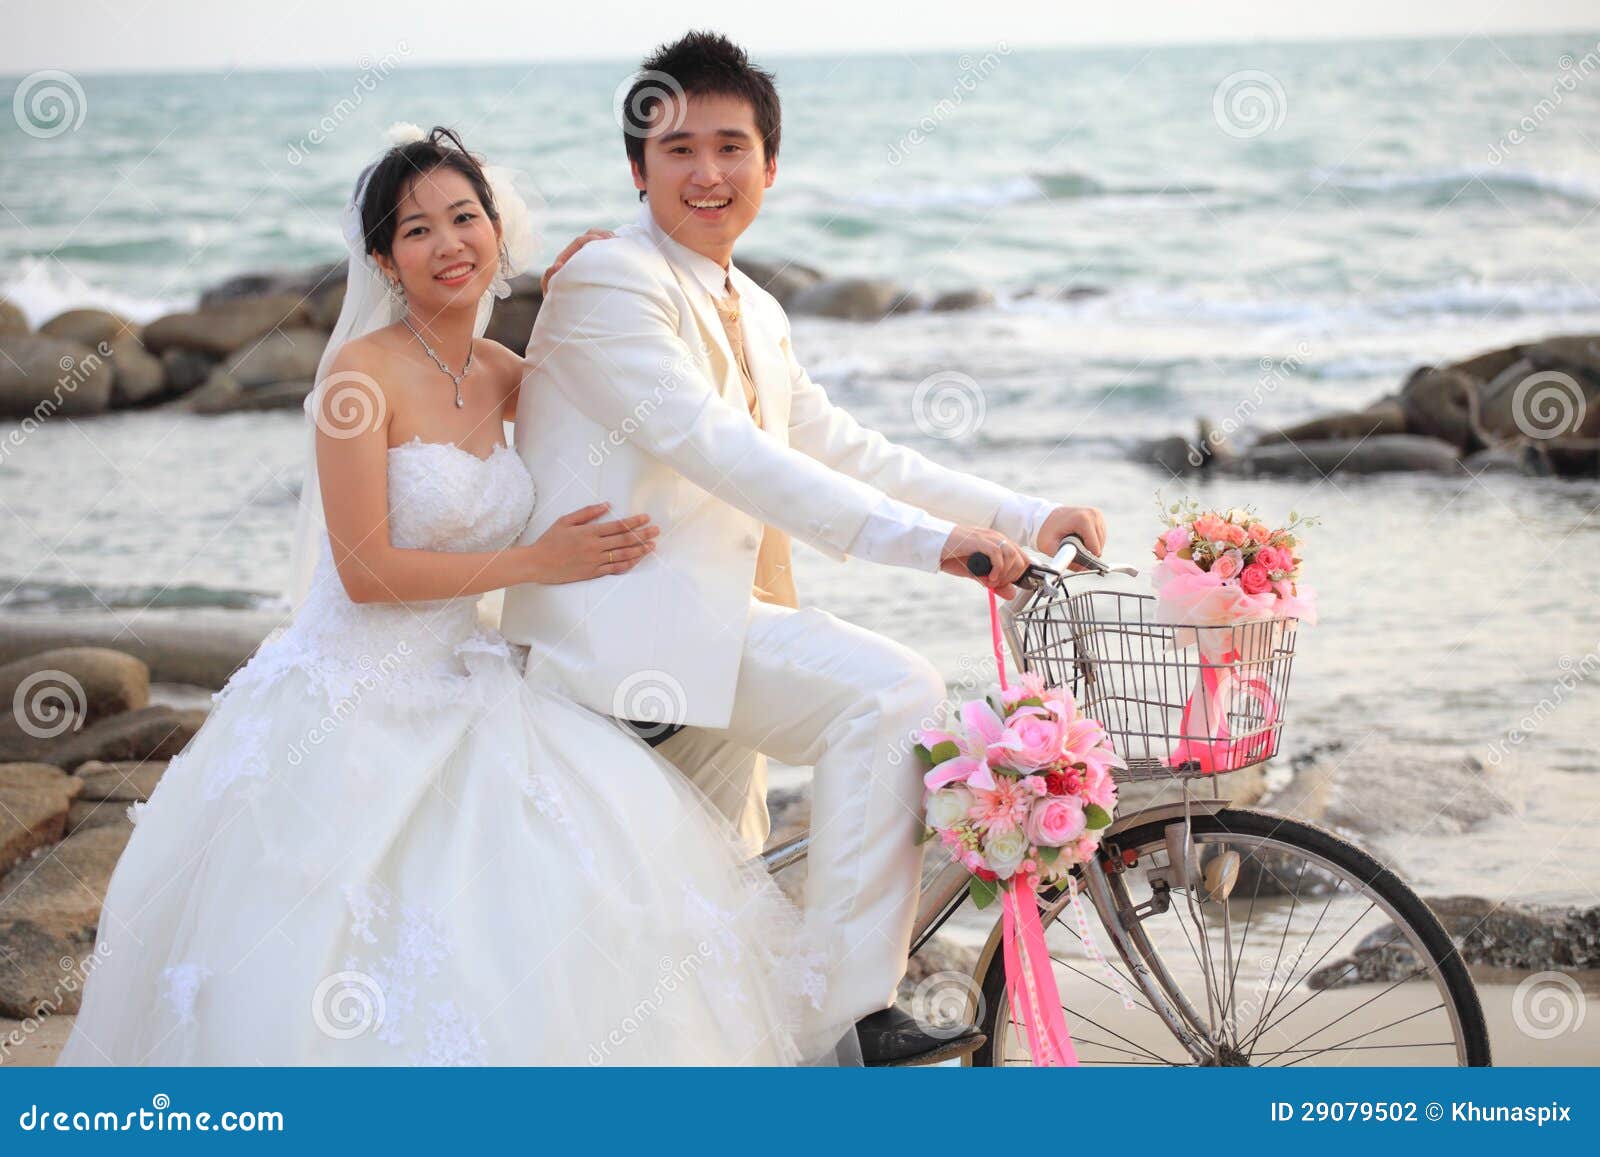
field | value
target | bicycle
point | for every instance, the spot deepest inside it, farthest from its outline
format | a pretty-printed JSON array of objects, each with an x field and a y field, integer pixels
[{"x": 1170, "y": 992}]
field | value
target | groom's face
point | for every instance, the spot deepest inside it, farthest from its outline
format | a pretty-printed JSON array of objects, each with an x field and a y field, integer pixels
[{"x": 705, "y": 171}]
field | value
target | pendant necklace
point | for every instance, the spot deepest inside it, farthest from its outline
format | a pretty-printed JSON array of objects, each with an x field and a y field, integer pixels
[{"x": 455, "y": 378}]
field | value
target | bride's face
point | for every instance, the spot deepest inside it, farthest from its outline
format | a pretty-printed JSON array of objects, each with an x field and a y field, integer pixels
[{"x": 446, "y": 249}]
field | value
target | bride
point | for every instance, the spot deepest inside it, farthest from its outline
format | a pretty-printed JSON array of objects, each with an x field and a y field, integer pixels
[{"x": 385, "y": 847}]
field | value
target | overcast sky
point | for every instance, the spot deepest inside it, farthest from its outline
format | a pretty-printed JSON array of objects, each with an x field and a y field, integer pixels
[{"x": 203, "y": 35}]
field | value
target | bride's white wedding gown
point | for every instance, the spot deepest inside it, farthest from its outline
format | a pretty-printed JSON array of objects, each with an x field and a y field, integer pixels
[{"x": 385, "y": 847}]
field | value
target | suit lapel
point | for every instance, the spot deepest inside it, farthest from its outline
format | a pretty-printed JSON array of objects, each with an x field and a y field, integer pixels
[
  {"x": 768, "y": 366},
  {"x": 710, "y": 323}
]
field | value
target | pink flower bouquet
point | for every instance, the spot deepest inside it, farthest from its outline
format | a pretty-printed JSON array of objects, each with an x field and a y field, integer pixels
[
  {"x": 1019, "y": 794},
  {"x": 1217, "y": 570}
]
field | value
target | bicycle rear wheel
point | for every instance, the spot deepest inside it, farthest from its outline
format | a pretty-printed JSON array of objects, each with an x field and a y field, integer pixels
[{"x": 1320, "y": 955}]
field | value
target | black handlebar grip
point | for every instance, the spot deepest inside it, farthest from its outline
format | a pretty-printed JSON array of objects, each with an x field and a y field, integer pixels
[{"x": 978, "y": 564}]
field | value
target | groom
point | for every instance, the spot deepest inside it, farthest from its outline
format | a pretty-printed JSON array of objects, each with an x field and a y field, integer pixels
[{"x": 661, "y": 380}]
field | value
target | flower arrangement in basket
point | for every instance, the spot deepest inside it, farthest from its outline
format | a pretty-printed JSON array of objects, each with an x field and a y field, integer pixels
[
  {"x": 1216, "y": 571},
  {"x": 1019, "y": 793}
]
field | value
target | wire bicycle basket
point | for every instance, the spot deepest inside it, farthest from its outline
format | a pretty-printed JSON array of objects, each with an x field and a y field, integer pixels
[{"x": 1177, "y": 700}]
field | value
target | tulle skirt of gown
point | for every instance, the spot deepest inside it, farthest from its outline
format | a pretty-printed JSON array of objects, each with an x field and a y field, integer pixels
[{"x": 437, "y": 869}]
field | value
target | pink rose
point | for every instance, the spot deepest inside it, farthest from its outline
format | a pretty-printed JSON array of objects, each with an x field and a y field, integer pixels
[
  {"x": 1228, "y": 565},
  {"x": 1254, "y": 579},
  {"x": 1040, "y": 741},
  {"x": 1233, "y": 533},
  {"x": 1275, "y": 558},
  {"x": 1209, "y": 527},
  {"x": 1055, "y": 820},
  {"x": 1260, "y": 534},
  {"x": 1176, "y": 539}
]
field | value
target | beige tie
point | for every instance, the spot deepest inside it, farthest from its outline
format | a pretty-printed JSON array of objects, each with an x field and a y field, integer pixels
[{"x": 774, "y": 575}]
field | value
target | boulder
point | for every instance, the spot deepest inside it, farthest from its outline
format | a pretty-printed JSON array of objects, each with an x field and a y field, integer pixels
[
  {"x": 96, "y": 813},
  {"x": 41, "y": 972},
  {"x": 1380, "y": 454},
  {"x": 94, "y": 682},
  {"x": 282, "y": 355},
  {"x": 1385, "y": 417},
  {"x": 125, "y": 782},
  {"x": 1442, "y": 404},
  {"x": 137, "y": 375},
  {"x": 1535, "y": 398},
  {"x": 46, "y": 376},
  {"x": 190, "y": 646},
  {"x": 35, "y": 803},
  {"x": 223, "y": 394},
  {"x": 90, "y": 327},
  {"x": 150, "y": 733},
  {"x": 852, "y": 299},
  {"x": 512, "y": 322},
  {"x": 1482, "y": 367},
  {"x": 62, "y": 889},
  {"x": 226, "y": 326},
  {"x": 958, "y": 299},
  {"x": 1510, "y": 459},
  {"x": 183, "y": 370},
  {"x": 782, "y": 279},
  {"x": 1524, "y": 937},
  {"x": 300, "y": 282},
  {"x": 12, "y": 320}
]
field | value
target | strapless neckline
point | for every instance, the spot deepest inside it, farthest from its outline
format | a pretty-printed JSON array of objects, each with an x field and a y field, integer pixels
[{"x": 416, "y": 443}]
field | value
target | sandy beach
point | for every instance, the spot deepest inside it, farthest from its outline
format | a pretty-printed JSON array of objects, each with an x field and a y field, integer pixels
[{"x": 1578, "y": 1044}]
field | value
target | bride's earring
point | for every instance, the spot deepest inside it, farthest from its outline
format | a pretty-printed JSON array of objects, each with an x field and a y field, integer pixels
[
  {"x": 501, "y": 285},
  {"x": 397, "y": 292}
]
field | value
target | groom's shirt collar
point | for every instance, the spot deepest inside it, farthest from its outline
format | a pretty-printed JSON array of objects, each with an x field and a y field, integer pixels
[{"x": 707, "y": 272}]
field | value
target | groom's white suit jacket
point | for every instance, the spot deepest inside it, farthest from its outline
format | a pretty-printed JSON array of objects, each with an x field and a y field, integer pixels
[{"x": 631, "y": 396}]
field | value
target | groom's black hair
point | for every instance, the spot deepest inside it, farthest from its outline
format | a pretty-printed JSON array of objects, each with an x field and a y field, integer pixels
[
  {"x": 440, "y": 149},
  {"x": 699, "y": 64}
]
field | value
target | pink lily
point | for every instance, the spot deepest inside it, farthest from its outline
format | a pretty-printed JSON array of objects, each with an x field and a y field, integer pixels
[{"x": 985, "y": 738}]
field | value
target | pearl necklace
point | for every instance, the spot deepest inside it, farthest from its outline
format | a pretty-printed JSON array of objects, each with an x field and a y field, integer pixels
[{"x": 454, "y": 378}]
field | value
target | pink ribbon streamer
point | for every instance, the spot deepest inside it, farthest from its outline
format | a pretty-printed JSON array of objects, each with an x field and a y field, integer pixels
[
  {"x": 1034, "y": 997},
  {"x": 1221, "y": 751},
  {"x": 1030, "y": 981}
]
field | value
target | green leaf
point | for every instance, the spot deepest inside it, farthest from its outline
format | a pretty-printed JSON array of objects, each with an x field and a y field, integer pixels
[
  {"x": 944, "y": 751},
  {"x": 1097, "y": 816},
  {"x": 924, "y": 754},
  {"x": 1049, "y": 855},
  {"x": 982, "y": 892}
]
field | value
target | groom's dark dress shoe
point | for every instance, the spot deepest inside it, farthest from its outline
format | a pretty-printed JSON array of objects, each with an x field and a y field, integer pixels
[
  {"x": 654, "y": 734},
  {"x": 893, "y": 1037}
]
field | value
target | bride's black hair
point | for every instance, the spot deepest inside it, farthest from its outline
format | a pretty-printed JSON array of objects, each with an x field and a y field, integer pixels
[{"x": 440, "y": 149}]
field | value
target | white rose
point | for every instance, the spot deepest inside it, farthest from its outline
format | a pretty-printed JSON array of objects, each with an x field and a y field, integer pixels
[
  {"x": 948, "y": 807},
  {"x": 1005, "y": 852}
]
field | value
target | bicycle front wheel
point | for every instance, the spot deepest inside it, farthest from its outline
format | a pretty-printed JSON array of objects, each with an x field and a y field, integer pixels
[{"x": 1277, "y": 944}]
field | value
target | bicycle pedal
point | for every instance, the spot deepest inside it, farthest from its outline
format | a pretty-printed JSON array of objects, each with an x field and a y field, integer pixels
[{"x": 1221, "y": 874}]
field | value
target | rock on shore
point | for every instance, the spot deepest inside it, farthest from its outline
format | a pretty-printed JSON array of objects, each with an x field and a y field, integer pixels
[
  {"x": 253, "y": 342},
  {"x": 1530, "y": 409}
]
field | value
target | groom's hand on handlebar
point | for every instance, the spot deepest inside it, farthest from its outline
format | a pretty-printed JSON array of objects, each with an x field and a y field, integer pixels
[
  {"x": 565, "y": 255},
  {"x": 1007, "y": 560},
  {"x": 1084, "y": 521}
]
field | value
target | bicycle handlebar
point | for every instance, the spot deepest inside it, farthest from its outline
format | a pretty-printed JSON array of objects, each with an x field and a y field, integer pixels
[{"x": 980, "y": 564}]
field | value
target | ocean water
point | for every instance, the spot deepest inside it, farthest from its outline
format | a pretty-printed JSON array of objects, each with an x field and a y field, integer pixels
[{"x": 1270, "y": 232}]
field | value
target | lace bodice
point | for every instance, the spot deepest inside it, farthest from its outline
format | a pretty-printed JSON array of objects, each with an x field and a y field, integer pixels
[{"x": 441, "y": 497}]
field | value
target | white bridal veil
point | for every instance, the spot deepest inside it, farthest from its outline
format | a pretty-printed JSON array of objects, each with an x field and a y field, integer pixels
[{"x": 369, "y": 307}]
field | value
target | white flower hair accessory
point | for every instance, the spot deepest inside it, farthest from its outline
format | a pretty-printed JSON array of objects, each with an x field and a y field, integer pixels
[{"x": 403, "y": 133}]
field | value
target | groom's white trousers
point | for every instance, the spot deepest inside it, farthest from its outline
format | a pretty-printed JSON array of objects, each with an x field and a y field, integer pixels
[{"x": 814, "y": 689}]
